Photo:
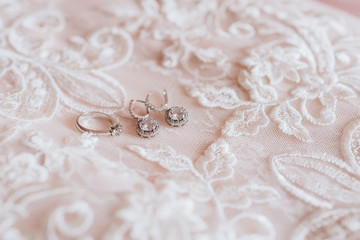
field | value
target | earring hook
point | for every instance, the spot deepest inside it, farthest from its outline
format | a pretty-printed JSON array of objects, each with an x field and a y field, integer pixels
[
  {"x": 163, "y": 106},
  {"x": 132, "y": 109}
]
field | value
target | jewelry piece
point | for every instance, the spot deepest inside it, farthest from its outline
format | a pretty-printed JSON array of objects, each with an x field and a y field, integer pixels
[
  {"x": 114, "y": 130},
  {"x": 146, "y": 126},
  {"x": 175, "y": 116}
]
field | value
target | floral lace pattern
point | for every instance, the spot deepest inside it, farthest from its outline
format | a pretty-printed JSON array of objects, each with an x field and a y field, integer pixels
[{"x": 271, "y": 150}]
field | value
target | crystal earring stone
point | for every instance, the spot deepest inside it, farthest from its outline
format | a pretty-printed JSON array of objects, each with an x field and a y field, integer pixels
[
  {"x": 147, "y": 127},
  {"x": 176, "y": 116}
]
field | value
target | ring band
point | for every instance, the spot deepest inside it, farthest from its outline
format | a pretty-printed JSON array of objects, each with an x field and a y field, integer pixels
[{"x": 114, "y": 129}]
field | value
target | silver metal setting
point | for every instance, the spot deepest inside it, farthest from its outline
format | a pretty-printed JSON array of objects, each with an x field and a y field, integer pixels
[
  {"x": 163, "y": 107},
  {"x": 146, "y": 127},
  {"x": 114, "y": 130},
  {"x": 176, "y": 116},
  {"x": 132, "y": 109}
]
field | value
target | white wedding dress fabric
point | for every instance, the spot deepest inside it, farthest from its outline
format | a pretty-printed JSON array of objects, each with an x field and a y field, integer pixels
[{"x": 271, "y": 149}]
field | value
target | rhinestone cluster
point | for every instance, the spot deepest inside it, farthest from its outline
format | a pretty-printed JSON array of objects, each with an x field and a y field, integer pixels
[
  {"x": 147, "y": 127},
  {"x": 177, "y": 116},
  {"x": 115, "y": 130}
]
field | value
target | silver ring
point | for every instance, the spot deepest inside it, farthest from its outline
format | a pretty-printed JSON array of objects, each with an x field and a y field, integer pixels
[{"x": 114, "y": 130}]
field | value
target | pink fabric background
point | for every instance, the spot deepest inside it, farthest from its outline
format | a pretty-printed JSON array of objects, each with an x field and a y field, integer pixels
[
  {"x": 271, "y": 150},
  {"x": 351, "y": 6}
]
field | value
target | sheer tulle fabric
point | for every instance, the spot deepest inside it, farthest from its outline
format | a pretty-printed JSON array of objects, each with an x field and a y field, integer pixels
[{"x": 270, "y": 151}]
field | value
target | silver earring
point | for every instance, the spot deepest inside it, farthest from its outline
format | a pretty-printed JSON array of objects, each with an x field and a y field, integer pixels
[
  {"x": 174, "y": 116},
  {"x": 146, "y": 126},
  {"x": 115, "y": 128}
]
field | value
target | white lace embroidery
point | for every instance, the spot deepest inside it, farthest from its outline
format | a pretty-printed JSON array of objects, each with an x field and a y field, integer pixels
[
  {"x": 217, "y": 164},
  {"x": 273, "y": 66},
  {"x": 336, "y": 224},
  {"x": 337, "y": 184},
  {"x": 34, "y": 73},
  {"x": 300, "y": 54}
]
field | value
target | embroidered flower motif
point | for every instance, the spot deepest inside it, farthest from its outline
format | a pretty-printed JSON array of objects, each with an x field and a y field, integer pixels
[
  {"x": 186, "y": 14},
  {"x": 275, "y": 64},
  {"x": 160, "y": 213},
  {"x": 26, "y": 165},
  {"x": 327, "y": 90}
]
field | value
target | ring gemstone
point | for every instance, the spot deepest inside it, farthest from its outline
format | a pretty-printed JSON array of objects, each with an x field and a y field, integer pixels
[{"x": 115, "y": 130}]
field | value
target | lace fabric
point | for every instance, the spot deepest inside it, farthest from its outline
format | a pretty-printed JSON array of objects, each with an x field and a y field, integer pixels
[{"x": 271, "y": 149}]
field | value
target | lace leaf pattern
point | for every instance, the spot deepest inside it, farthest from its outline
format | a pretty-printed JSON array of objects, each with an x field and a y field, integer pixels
[
  {"x": 337, "y": 184},
  {"x": 33, "y": 85},
  {"x": 243, "y": 197},
  {"x": 343, "y": 223},
  {"x": 27, "y": 90},
  {"x": 246, "y": 120},
  {"x": 106, "y": 91},
  {"x": 217, "y": 162},
  {"x": 351, "y": 145},
  {"x": 166, "y": 157},
  {"x": 336, "y": 181},
  {"x": 210, "y": 96},
  {"x": 289, "y": 122}
]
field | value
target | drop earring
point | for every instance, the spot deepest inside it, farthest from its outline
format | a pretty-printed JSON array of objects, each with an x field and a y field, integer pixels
[
  {"x": 174, "y": 116},
  {"x": 146, "y": 126}
]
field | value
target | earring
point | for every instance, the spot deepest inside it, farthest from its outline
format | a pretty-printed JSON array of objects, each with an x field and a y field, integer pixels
[
  {"x": 175, "y": 116},
  {"x": 114, "y": 130},
  {"x": 146, "y": 126}
]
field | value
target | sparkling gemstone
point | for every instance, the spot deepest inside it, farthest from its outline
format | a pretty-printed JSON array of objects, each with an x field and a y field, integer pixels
[
  {"x": 115, "y": 129},
  {"x": 147, "y": 127},
  {"x": 177, "y": 116},
  {"x": 177, "y": 113}
]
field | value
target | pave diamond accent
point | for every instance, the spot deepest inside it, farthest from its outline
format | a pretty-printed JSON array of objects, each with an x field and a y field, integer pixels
[
  {"x": 147, "y": 127},
  {"x": 177, "y": 116},
  {"x": 115, "y": 129}
]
